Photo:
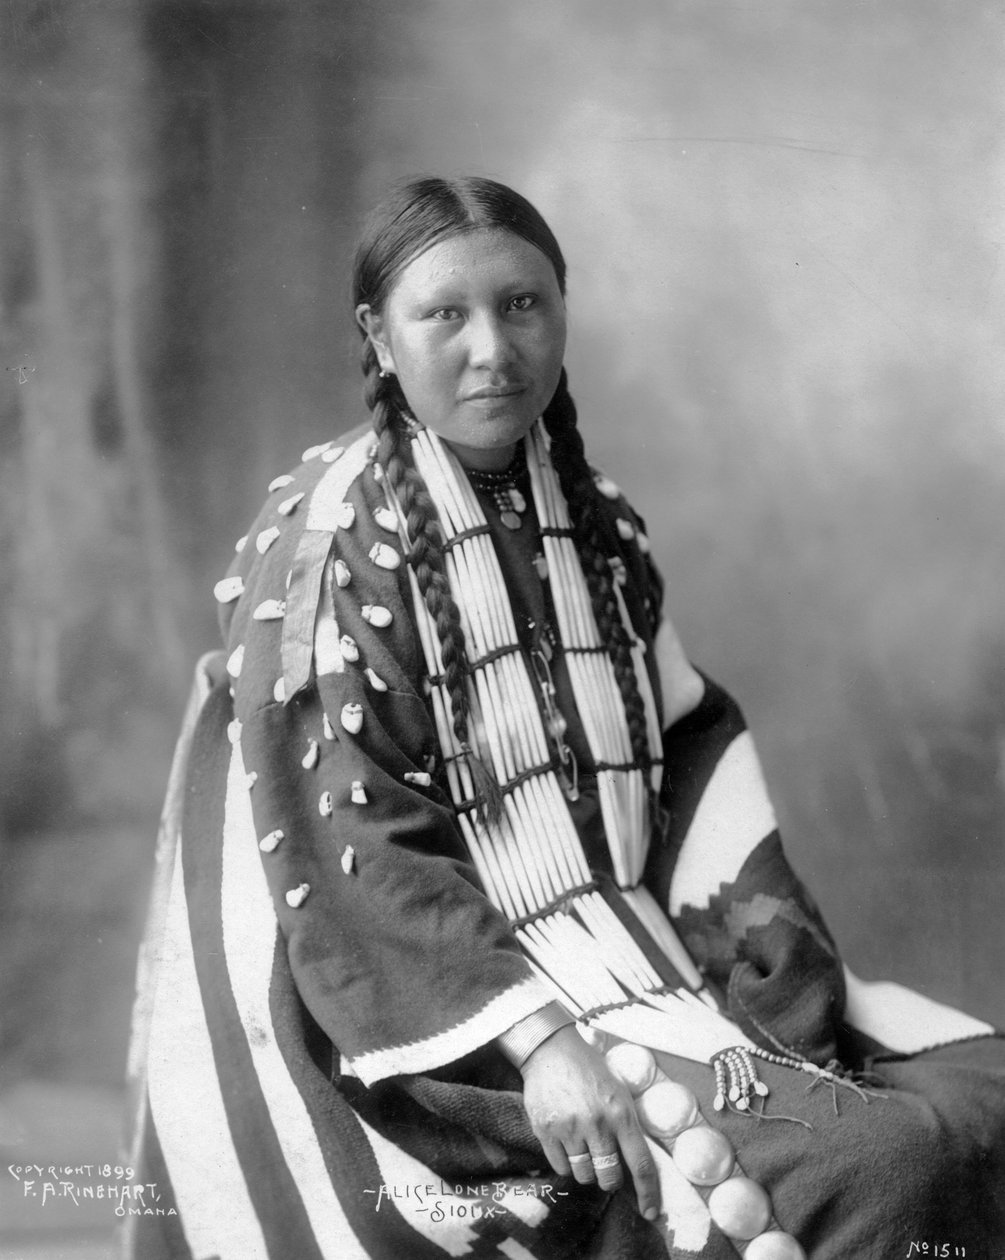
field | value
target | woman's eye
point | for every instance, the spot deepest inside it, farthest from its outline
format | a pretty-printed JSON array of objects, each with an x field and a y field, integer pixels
[
  {"x": 522, "y": 302},
  {"x": 444, "y": 313}
]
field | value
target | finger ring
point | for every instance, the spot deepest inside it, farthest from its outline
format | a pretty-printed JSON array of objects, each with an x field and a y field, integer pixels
[
  {"x": 581, "y": 1159},
  {"x": 606, "y": 1161}
]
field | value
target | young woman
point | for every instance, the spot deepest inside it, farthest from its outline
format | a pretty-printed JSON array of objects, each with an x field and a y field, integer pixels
[{"x": 470, "y": 907}]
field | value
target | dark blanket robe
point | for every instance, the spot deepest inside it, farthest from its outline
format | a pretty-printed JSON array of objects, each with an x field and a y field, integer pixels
[{"x": 323, "y": 978}]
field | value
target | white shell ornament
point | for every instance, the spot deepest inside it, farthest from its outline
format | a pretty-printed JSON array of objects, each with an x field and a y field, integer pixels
[
  {"x": 350, "y": 649},
  {"x": 643, "y": 542},
  {"x": 666, "y": 1109},
  {"x": 332, "y": 454},
  {"x": 703, "y": 1155},
  {"x": 269, "y": 842},
  {"x": 625, "y": 529},
  {"x": 358, "y": 794},
  {"x": 352, "y": 718},
  {"x": 387, "y": 519},
  {"x": 634, "y": 1064},
  {"x": 235, "y": 661},
  {"x": 419, "y": 777},
  {"x": 234, "y": 730},
  {"x": 279, "y": 691},
  {"x": 266, "y": 538},
  {"x": 325, "y": 805},
  {"x": 348, "y": 857},
  {"x": 775, "y": 1244},
  {"x": 277, "y": 483},
  {"x": 241, "y": 543},
  {"x": 313, "y": 452},
  {"x": 384, "y": 557},
  {"x": 250, "y": 779},
  {"x": 327, "y": 728},
  {"x": 229, "y": 589},
  {"x": 287, "y": 505},
  {"x": 740, "y": 1207},
  {"x": 270, "y": 610},
  {"x": 608, "y": 488},
  {"x": 346, "y": 516},
  {"x": 310, "y": 758},
  {"x": 342, "y": 575},
  {"x": 376, "y": 682},
  {"x": 297, "y": 896},
  {"x": 376, "y": 615}
]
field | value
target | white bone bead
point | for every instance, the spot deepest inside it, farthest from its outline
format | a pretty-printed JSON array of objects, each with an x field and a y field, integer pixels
[
  {"x": 348, "y": 857},
  {"x": 384, "y": 557},
  {"x": 342, "y": 575},
  {"x": 349, "y": 647},
  {"x": 279, "y": 691},
  {"x": 234, "y": 730},
  {"x": 310, "y": 758},
  {"x": 289, "y": 579},
  {"x": 376, "y": 682},
  {"x": 327, "y": 728},
  {"x": 266, "y": 538},
  {"x": 376, "y": 615},
  {"x": 270, "y": 610},
  {"x": 332, "y": 454},
  {"x": 288, "y": 505},
  {"x": 387, "y": 519},
  {"x": 229, "y": 589},
  {"x": 325, "y": 805},
  {"x": 250, "y": 779},
  {"x": 297, "y": 896},
  {"x": 277, "y": 483},
  {"x": 378, "y": 473},
  {"x": 352, "y": 718},
  {"x": 269, "y": 842},
  {"x": 235, "y": 661},
  {"x": 419, "y": 777},
  {"x": 358, "y": 794}
]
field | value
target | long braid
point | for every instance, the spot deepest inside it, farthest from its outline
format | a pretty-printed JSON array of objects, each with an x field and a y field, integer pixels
[
  {"x": 383, "y": 396},
  {"x": 583, "y": 499}
]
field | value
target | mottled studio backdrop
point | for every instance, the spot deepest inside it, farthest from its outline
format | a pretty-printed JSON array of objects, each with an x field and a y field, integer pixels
[{"x": 784, "y": 227}]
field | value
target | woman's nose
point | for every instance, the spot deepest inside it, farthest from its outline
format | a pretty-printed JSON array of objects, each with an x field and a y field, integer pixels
[{"x": 488, "y": 342}]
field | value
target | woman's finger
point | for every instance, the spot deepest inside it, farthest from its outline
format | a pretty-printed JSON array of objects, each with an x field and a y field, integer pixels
[
  {"x": 641, "y": 1166},
  {"x": 607, "y": 1168},
  {"x": 557, "y": 1158},
  {"x": 581, "y": 1163}
]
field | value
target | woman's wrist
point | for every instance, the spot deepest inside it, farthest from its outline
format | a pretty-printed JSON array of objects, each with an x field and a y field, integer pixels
[{"x": 519, "y": 1042}]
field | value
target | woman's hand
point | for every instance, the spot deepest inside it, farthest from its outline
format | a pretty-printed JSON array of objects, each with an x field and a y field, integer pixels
[{"x": 585, "y": 1118}]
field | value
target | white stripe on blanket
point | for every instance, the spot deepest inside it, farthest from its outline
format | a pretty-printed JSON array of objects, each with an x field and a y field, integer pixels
[
  {"x": 195, "y": 1138},
  {"x": 249, "y": 936},
  {"x": 732, "y": 818},
  {"x": 904, "y": 1020}
]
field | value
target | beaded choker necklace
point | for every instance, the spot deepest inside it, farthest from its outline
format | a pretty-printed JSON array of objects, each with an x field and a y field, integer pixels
[{"x": 509, "y": 500}]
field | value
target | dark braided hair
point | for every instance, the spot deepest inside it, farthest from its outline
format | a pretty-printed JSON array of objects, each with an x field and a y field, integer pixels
[{"x": 415, "y": 216}]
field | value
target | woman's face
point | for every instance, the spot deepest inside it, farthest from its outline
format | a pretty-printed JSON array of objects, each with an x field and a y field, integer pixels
[{"x": 474, "y": 330}]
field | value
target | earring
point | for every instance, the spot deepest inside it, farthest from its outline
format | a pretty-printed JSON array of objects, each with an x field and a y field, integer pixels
[{"x": 384, "y": 376}]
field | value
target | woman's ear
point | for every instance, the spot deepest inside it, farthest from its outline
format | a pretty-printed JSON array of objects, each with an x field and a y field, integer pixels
[{"x": 373, "y": 325}]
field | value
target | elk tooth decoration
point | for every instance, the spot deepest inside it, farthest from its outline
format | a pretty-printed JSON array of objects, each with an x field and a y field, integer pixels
[
  {"x": 376, "y": 682},
  {"x": 268, "y": 843},
  {"x": 608, "y": 488},
  {"x": 332, "y": 454},
  {"x": 348, "y": 857},
  {"x": 386, "y": 518},
  {"x": 325, "y": 805},
  {"x": 311, "y": 757},
  {"x": 229, "y": 589},
  {"x": 378, "y": 473},
  {"x": 288, "y": 505},
  {"x": 384, "y": 557},
  {"x": 349, "y": 648},
  {"x": 358, "y": 793},
  {"x": 326, "y": 727},
  {"x": 376, "y": 615},
  {"x": 625, "y": 529},
  {"x": 346, "y": 515},
  {"x": 341, "y": 573},
  {"x": 270, "y": 610},
  {"x": 250, "y": 779},
  {"x": 234, "y": 730},
  {"x": 266, "y": 538},
  {"x": 278, "y": 483},
  {"x": 241, "y": 543},
  {"x": 419, "y": 777},
  {"x": 279, "y": 691},
  {"x": 352, "y": 718},
  {"x": 313, "y": 452},
  {"x": 297, "y": 896},
  {"x": 235, "y": 661},
  {"x": 642, "y": 540}
]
